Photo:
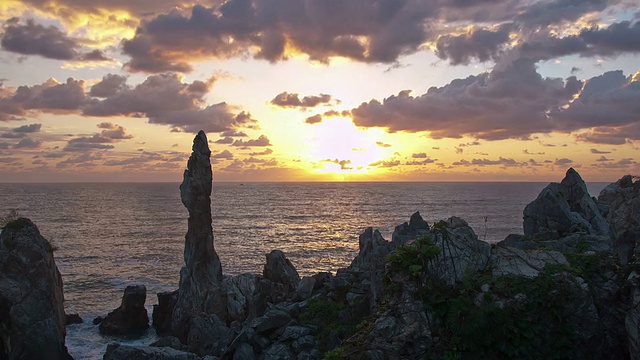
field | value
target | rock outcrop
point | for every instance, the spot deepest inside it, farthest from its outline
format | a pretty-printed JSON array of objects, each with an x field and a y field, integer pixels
[
  {"x": 280, "y": 270},
  {"x": 126, "y": 352},
  {"x": 131, "y": 316},
  {"x": 201, "y": 288},
  {"x": 32, "y": 317},
  {"x": 620, "y": 202},
  {"x": 564, "y": 209}
]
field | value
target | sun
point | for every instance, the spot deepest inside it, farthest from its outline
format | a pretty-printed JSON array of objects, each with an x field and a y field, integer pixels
[{"x": 336, "y": 146}]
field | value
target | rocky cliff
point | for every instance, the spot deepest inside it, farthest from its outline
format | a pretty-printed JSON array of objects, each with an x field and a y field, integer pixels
[{"x": 32, "y": 318}]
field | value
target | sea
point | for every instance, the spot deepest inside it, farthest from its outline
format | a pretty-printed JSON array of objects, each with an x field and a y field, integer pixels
[{"x": 110, "y": 235}]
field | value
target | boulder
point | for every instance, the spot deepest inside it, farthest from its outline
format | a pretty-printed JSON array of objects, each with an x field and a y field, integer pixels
[
  {"x": 410, "y": 231},
  {"x": 370, "y": 261},
  {"x": 131, "y": 316},
  {"x": 461, "y": 251},
  {"x": 513, "y": 261},
  {"x": 163, "y": 311},
  {"x": 564, "y": 209},
  {"x": 621, "y": 203},
  {"x": 208, "y": 335},
  {"x": 280, "y": 270},
  {"x": 32, "y": 317},
  {"x": 126, "y": 352},
  {"x": 201, "y": 288}
]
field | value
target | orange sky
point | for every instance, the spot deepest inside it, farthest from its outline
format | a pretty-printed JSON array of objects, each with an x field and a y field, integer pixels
[{"x": 289, "y": 90}]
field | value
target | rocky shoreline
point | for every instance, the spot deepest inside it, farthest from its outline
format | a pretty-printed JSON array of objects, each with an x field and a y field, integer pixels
[{"x": 567, "y": 288}]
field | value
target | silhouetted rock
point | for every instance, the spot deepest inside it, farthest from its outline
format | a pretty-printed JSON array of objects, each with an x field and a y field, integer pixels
[
  {"x": 131, "y": 316},
  {"x": 409, "y": 231},
  {"x": 73, "y": 319},
  {"x": 280, "y": 270},
  {"x": 201, "y": 289},
  {"x": 163, "y": 311},
  {"x": 32, "y": 318}
]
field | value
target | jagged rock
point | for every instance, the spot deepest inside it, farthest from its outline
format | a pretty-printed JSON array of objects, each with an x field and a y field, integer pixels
[
  {"x": 270, "y": 321},
  {"x": 621, "y": 201},
  {"x": 163, "y": 311},
  {"x": 245, "y": 301},
  {"x": 209, "y": 336},
  {"x": 169, "y": 341},
  {"x": 305, "y": 287},
  {"x": 244, "y": 351},
  {"x": 293, "y": 332},
  {"x": 32, "y": 318},
  {"x": 201, "y": 288},
  {"x": 371, "y": 259},
  {"x": 403, "y": 329},
  {"x": 461, "y": 253},
  {"x": 564, "y": 209},
  {"x": 512, "y": 261},
  {"x": 278, "y": 351},
  {"x": 632, "y": 319},
  {"x": 131, "y": 316},
  {"x": 279, "y": 269},
  {"x": 409, "y": 231},
  {"x": 127, "y": 352},
  {"x": 73, "y": 319}
]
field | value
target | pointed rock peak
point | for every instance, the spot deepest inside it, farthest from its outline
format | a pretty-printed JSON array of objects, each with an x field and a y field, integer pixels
[
  {"x": 201, "y": 144},
  {"x": 572, "y": 178},
  {"x": 417, "y": 222}
]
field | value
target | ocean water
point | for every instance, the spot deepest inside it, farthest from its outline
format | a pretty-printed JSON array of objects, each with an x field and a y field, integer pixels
[{"x": 110, "y": 235}]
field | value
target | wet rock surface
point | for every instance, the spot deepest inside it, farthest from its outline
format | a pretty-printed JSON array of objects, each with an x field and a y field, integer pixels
[{"x": 131, "y": 316}]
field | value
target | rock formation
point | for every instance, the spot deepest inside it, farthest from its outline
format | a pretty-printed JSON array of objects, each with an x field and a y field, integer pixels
[
  {"x": 32, "y": 318},
  {"x": 564, "y": 209},
  {"x": 620, "y": 202},
  {"x": 280, "y": 270},
  {"x": 131, "y": 316},
  {"x": 201, "y": 288}
]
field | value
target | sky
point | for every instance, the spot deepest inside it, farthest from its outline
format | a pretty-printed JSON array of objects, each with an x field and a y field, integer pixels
[{"x": 320, "y": 90}]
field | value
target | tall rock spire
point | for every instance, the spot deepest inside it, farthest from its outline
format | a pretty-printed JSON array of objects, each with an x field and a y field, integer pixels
[{"x": 201, "y": 288}]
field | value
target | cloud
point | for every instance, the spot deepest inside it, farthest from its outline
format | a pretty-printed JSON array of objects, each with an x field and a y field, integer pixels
[
  {"x": 506, "y": 103},
  {"x": 233, "y": 133},
  {"x": 227, "y": 155},
  {"x": 46, "y": 41},
  {"x": 501, "y": 161},
  {"x": 563, "y": 161},
  {"x": 265, "y": 152},
  {"x": 27, "y": 143},
  {"x": 293, "y": 100},
  {"x": 607, "y": 100},
  {"x": 50, "y": 96},
  {"x": 111, "y": 133},
  {"x": 381, "y": 144},
  {"x": 481, "y": 44},
  {"x": 31, "y": 128},
  {"x": 315, "y": 119},
  {"x": 110, "y": 85},
  {"x": 344, "y": 164},
  {"x": 385, "y": 163},
  {"x": 368, "y": 31},
  {"x": 421, "y": 162},
  {"x": 596, "y": 151},
  {"x": 225, "y": 140},
  {"x": 260, "y": 141},
  {"x": 419, "y": 156}
]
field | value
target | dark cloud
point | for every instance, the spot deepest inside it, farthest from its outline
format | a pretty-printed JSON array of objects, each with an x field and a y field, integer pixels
[
  {"x": 488, "y": 162},
  {"x": 315, "y": 119},
  {"x": 421, "y": 162},
  {"x": 162, "y": 99},
  {"x": 27, "y": 143},
  {"x": 362, "y": 30},
  {"x": 544, "y": 13},
  {"x": 419, "y": 156},
  {"x": 31, "y": 128},
  {"x": 260, "y": 141},
  {"x": 233, "y": 133},
  {"x": 480, "y": 44},
  {"x": 596, "y": 151},
  {"x": 510, "y": 102},
  {"x": 381, "y": 144},
  {"x": 46, "y": 41},
  {"x": 608, "y": 100},
  {"x": 386, "y": 163},
  {"x": 285, "y": 99},
  {"x": 110, "y": 85}
]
